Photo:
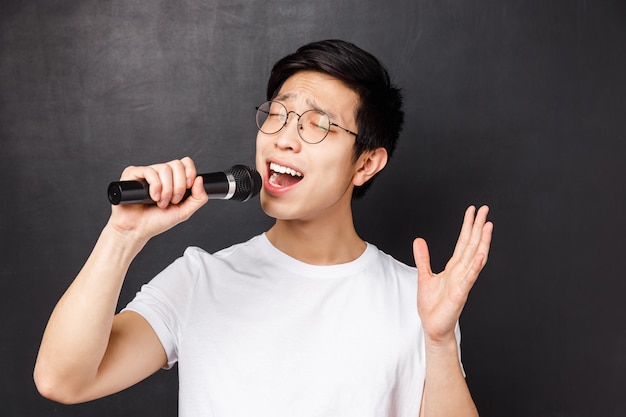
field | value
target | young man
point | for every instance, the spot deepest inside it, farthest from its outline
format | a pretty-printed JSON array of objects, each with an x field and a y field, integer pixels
[{"x": 306, "y": 319}]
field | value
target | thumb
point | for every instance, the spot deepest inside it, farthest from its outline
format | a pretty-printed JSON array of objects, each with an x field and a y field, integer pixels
[
  {"x": 197, "y": 199},
  {"x": 198, "y": 193},
  {"x": 422, "y": 258}
]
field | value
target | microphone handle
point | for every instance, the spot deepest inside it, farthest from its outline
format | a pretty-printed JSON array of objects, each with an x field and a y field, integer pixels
[{"x": 218, "y": 185}]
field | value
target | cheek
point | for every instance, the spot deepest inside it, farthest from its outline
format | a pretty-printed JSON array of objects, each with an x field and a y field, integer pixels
[
  {"x": 260, "y": 165},
  {"x": 335, "y": 158},
  {"x": 336, "y": 166}
]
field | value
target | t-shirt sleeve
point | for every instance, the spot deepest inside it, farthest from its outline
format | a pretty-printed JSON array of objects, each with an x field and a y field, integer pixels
[
  {"x": 164, "y": 302},
  {"x": 457, "y": 333}
]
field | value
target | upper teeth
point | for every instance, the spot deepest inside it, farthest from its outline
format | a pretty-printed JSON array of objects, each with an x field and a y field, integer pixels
[{"x": 284, "y": 170}]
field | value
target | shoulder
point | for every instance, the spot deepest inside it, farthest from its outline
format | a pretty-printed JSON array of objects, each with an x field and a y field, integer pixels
[
  {"x": 195, "y": 257},
  {"x": 254, "y": 246},
  {"x": 387, "y": 273},
  {"x": 195, "y": 265},
  {"x": 380, "y": 259}
]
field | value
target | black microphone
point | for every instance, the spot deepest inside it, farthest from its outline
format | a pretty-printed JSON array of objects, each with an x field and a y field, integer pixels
[{"x": 239, "y": 183}]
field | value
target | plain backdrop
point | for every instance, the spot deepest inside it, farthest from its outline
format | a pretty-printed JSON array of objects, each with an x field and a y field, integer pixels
[{"x": 515, "y": 104}]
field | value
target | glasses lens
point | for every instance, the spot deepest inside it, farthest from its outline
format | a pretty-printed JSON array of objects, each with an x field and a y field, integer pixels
[
  {"x": 313, "y": 126},
  {"x": 271, "y": 117}
]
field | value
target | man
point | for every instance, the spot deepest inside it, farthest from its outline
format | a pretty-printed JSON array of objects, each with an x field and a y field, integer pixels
[{"x": 306, "y": 319}]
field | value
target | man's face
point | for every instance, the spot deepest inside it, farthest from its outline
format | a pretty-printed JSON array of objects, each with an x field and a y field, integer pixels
[{"x": 305, "y": 181}]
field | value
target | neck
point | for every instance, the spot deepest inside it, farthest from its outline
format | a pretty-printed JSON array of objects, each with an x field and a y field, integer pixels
[{"x": 317, "y": 242}]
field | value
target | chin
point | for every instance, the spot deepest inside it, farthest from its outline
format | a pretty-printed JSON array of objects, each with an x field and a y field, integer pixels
[
  {"x": 267, "y": 205},
  {"x": 279, "y": 210}
]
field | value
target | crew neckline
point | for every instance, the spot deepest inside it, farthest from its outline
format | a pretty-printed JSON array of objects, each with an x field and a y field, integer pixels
[{"x": 318, "y": 271}]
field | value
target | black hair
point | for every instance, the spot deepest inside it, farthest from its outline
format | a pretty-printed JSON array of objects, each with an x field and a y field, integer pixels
[{"x": 379, "y": 115}]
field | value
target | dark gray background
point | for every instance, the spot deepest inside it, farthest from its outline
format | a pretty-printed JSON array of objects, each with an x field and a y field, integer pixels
[{"x": 516, "y": 104}]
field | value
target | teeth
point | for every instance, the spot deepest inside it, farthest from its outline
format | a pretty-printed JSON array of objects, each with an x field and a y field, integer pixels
[{"x": 284, "y": 170}]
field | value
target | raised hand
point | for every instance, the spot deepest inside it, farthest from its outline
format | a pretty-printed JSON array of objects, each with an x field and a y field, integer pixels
[{"x": 441, "y": 297}]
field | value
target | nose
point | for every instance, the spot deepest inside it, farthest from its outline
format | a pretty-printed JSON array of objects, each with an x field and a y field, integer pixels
[{"x": 288, "y": 137}]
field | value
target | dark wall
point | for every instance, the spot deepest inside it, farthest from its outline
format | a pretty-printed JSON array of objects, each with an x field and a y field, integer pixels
[{"x": 519, "y": 105}]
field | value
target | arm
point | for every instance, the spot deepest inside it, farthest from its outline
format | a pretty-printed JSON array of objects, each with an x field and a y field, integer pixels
[
  {"x": 441, "y": 298},
  {"x": 87, "y": 351}
]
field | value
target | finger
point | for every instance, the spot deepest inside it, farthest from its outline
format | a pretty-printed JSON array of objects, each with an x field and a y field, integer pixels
[
  {"x": 148, "y": 174},
  {"x": 190, "y": 170},
  {"x": 475, "y": 242},
  {"x": 485, "y": 241},
  {"x": 165, "y": 178},
  {"x": 480, "y": 258},
  {"x": 422, "y": 258},
  {"x": 470, "y": 278},
  {"x": 179, "y": 180},
  {"x": 465, "y": 233},
  {"x": 482, "y": 253}
]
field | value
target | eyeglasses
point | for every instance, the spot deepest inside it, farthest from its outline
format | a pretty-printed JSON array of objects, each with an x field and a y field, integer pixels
[{"x": 313, "y": 125}]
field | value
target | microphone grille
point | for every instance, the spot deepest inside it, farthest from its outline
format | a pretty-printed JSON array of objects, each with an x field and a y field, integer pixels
[{"x": 247, "y": 182}]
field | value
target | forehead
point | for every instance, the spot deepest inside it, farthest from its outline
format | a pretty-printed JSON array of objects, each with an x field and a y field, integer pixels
[{"x": 320, "y": 91}]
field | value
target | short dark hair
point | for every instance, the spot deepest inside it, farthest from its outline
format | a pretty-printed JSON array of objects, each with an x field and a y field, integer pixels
[{"x": 379, "y": 115}]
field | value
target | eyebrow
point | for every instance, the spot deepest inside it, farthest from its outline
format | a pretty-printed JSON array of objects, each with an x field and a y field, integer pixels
[{"x": 314, "y": 106}]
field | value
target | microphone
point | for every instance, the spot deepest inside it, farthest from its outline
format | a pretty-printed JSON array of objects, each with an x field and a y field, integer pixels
[{"x": 239, "y": 183}]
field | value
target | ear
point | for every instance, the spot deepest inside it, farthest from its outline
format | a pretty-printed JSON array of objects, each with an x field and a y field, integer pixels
[{"x": 369, "y": 164}]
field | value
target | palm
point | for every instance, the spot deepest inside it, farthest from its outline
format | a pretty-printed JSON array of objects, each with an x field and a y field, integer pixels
[{"x": 441, "y": 297}]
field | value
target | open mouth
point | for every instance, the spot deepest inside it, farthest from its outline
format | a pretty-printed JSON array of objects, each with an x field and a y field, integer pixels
[{"x": 282, "y": 176}]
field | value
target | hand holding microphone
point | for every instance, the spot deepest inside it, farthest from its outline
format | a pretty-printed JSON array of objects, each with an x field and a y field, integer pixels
[
  {"x": 149, "y": 200},
  {"x": 239, "y": 183}
]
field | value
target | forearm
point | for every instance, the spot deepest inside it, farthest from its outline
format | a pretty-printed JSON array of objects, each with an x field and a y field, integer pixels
[
  {"x": 445, "y": 390},
  {"x": 78, "y": 331}
]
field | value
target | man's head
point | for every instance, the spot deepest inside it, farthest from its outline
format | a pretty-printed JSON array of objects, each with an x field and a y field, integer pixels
[{"x": 378, "y": 115}]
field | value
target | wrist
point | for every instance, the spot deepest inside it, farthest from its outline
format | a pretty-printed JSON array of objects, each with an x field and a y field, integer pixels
[
  {"x": 126, "y": 242},
  {"x": 441, "y": 345},
  {"x": 443, "y": 358}
]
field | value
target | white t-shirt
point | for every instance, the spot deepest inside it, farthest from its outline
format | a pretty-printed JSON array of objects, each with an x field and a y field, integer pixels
[{"x": 258, "y": 333}]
